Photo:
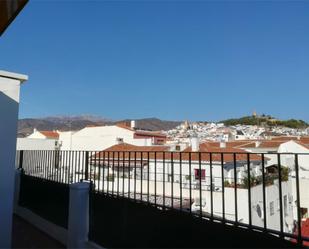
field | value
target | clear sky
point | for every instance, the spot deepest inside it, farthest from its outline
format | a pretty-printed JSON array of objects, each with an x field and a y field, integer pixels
[{"x": 176, "y": 60}]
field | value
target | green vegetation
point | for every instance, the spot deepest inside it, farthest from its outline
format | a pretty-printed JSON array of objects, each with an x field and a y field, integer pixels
[
  {"x": 284, "y": 174},
  {"x": 266, "y": 120},
  {"x": 95, "y": 176},
  {"x": 110, "y": 177},
  {"x": 187, "y": 177},
  {"x": 269, "y": 178},
  {"x": 227, "y": 184},
  {"x": 292, "y": 123}
]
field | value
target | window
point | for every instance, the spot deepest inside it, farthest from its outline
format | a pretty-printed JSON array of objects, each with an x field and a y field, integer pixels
[
  {"x": 259, "y": 211},
  {"x": 177, "y": 147},
  {"x": 199, "y": 174},
  {"x": 159, "y": 141},
  {"x": 271, "y": 208},
  {"x": 239, "y": 176}
]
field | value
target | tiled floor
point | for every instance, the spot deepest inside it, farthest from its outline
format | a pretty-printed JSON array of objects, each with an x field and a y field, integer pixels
[{"x": 26, "y": 235}]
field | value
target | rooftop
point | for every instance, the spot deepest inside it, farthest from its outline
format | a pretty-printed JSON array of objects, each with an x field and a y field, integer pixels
[{"x": 15, "y": 76}]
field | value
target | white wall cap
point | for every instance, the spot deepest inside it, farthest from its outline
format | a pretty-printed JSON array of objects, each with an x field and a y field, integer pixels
[
  {"x": 15, "y": 76},
  {"x": 80, "y": 185}
]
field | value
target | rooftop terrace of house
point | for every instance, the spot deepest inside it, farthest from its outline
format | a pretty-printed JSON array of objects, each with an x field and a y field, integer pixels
[{"x": 206, "y": 153}]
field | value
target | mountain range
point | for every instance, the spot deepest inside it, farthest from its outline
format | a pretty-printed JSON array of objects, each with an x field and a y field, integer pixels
[{"x": 65, "y": 123}]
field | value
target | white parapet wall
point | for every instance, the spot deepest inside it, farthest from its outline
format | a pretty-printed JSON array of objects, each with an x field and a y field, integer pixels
[
  {"x": 9, "y": 106},
  {"x": 36, "y": 144},
  {"x": 76, "y": 236}
]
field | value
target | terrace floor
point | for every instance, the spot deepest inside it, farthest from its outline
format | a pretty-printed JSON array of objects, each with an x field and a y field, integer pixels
[{"x": 26, "y": 235}]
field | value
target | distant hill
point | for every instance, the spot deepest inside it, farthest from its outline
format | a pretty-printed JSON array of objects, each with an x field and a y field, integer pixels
[
  {"x": 266, "y": 120},
  {"x": 154, "y": 124},
  {"x": 65, "y": 123}
]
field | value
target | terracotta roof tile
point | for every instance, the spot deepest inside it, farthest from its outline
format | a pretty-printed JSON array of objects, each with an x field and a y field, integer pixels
[
  {"x": 252, "y": 144},
  {"x": 50, "y": 134},
  {"x": 125, "y": 151},
  {"x": 302, "y": 144},
  {"x": 130, "y": 147},
  {"x": 141, "y": 132},
  {"x": 216, "y": 150},
  {"x": 270, "y": 144},
  {"x": 284, "y": 138},
  {"x": 305, "y": 140},
  {"x": 150, "y": 133},
  {"x": 124, "y": 126}
]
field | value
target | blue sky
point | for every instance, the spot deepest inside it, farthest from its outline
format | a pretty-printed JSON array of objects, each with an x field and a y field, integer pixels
[{"x": 196, "y": 60}]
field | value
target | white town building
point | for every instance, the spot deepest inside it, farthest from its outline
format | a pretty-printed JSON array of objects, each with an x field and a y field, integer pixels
[{"x": 94, "y": 138}]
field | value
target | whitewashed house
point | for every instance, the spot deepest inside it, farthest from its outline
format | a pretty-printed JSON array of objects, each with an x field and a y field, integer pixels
[
  {"x": 102, "y": 137},
  {"x": 189, "y": 163},
  {"x": 296, "y": 146},
  {"x": 94, "y": 138},
  {"x": 155, "y": 170},
  {"x": 44, "y": 134},
  {"x": 39, "y": 140},
  {"x": 97, "y": 138}
]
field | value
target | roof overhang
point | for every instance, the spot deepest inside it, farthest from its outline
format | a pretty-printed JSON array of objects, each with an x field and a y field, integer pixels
[
  {"x": 9, "y": 9},
  {"x": 14, "y": 76}
]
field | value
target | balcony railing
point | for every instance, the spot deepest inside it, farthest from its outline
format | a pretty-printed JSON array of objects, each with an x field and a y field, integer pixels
[{"x": 260, "y": 191}]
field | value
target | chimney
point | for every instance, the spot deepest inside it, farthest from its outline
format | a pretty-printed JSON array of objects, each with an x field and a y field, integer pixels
[
  {"x": 257, "y": 144},
  {"x": 133, "y": 124},
  {"x": 148, "y": 142},
  {"x": 222, "y": 144},
  {"x": 34, "y": 130},
  {"x": 195, "y": 144}
]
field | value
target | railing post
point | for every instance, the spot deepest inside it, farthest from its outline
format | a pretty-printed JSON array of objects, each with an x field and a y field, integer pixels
[
  {"x": 87, "y": 166},
  {"x": 280, "y": 195},
  {"x": 21, "y": 158},
  {"x": 299, "y": 232}
]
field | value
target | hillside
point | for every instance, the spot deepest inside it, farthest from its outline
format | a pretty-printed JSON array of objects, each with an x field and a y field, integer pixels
[
  {"x": 154, "y": 124},
  {"x": 266, "y": 121},
  {"x": 65, "y": 123}
]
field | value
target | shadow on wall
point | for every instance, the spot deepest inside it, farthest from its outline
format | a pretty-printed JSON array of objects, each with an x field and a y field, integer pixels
[
  {"x": 8, "y": 122},
  {"x": 48, "y": 199},
  {"x": 8, "y": 111}
]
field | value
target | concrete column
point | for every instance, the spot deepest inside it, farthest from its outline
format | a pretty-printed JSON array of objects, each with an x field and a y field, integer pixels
[
  {"x": 9, "y": 105},
  {"x": 78, "y": 225}
]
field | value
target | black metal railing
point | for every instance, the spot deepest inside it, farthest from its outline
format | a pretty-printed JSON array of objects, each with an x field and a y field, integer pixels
[{"x": 260, "y": 191}]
